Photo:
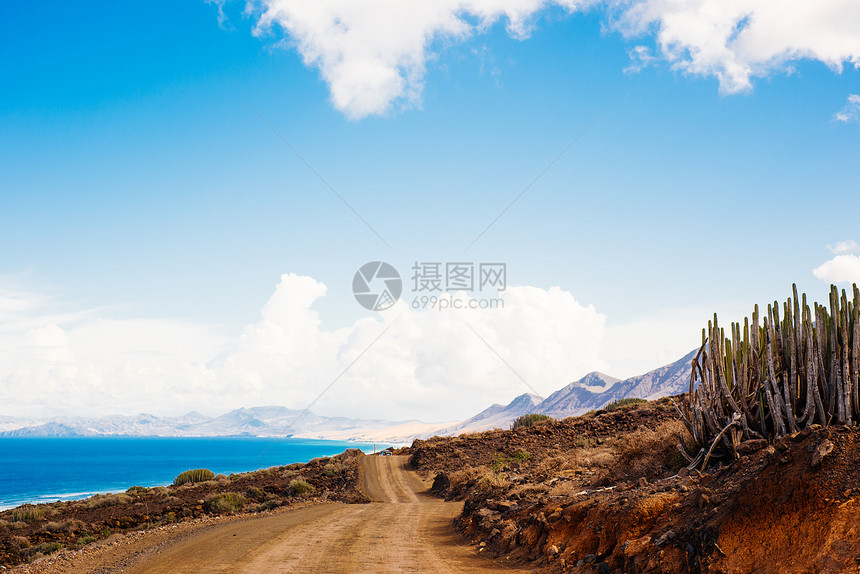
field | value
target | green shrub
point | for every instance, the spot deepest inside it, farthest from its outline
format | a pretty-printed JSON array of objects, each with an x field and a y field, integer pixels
[
  {"x": 137, "y": 490},
  {"x": 192, "y": 476},
  {"x": 86, "y": 539},
  {"x": 301, "y": 486},
  {"x": 225, "y": 503},
  {"x": 28, "y": 513},
  {"x": 256, "y": 494},
  {"x": 44, "y": 548},
  {"x": 528, "y": 420},
  {"x": 333, "y": 468},
  {"x": 623, "y": 403},
  {"x": 500, "y": 463},
  {"x": 69, "y": 526}
]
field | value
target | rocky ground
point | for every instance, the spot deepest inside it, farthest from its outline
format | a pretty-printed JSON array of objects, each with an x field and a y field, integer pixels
[
  {"x": 31, "y": 532},
  {"x": 608, "y": 492}
]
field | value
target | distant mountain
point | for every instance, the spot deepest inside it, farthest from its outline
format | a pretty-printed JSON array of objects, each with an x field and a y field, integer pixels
[
  {"x": 256, "y": 421},
  {"x": 593, "y": 391},
  {"x": 584, "y": 395},
  {"x": 579, "y": 396},
  {"x": 495, "y": 416}
]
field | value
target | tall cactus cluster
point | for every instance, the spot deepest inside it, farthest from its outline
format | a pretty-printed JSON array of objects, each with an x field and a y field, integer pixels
[{"x": 774, "y": 375}]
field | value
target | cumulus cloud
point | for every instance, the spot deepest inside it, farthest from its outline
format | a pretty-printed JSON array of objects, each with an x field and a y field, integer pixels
[
  {"x": 841, "y": 269},
  {"x": 427, "y": 364},
  {"x": 738, "y": 40},
  {"x": 851, "y": 111},
  {"x": 373, "y": 54}
]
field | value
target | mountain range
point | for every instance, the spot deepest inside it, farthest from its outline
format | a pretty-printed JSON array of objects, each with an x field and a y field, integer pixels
[{"x": 591, "y": 392}]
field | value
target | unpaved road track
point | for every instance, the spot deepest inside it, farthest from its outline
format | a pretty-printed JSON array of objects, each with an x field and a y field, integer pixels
[{"x": 403, "y": 530}]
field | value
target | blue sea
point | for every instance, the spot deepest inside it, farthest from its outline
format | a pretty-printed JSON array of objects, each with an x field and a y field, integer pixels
[{"x": 50, "y": 469}]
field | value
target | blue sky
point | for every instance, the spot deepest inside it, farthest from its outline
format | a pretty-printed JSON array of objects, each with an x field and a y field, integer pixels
[{"x": 139, "y": 182}]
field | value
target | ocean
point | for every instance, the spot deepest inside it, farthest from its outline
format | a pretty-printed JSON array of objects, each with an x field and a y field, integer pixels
[{"x": 49, "y": 469}]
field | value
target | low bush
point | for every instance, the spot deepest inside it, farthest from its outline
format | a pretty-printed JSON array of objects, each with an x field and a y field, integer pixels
[
  {"x": 21, "y": 541},
  {"x": 137, "y": 490},
  {"x": 225, "y": 503},
  {"x": 529, "y": 420},
  {"x": 44, "y": 548},
  {"x": 623, "y": 403},
  {"x": 104, "y": 500},
  {"x": 193, "y": 476},
  {"x": 301, "y": 487},
  {"x": 28, "y": 513},
  {"x": 256, "y": 494},
  {"x": 69, "y": 526},
  {"x": 650, "y": 453}
]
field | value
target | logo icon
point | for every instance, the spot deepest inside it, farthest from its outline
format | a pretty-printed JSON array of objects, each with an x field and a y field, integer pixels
[{"x": 377, "y": 286}]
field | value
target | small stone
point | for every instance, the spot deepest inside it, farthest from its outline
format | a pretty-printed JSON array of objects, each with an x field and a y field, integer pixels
[
  {"x": 642, "y": 481},
  {"x": 824, "y": 448},
  {"x": 668, "y": 535},
  {"x": 552, "y": 550},
  {"x": 684, "y": 471}
]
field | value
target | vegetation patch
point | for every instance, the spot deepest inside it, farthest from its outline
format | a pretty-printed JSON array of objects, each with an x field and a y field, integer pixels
[
  {"x": 529, "y": 420},
  {"x": 620, "y": 403},
  {"x": 193, "y": 476},
  {"x": 301, "y": 487},
  {"x": 226, "y": 503}
]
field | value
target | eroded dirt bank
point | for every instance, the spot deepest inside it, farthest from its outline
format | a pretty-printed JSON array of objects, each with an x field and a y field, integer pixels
[{"x": 603, "y": 493}]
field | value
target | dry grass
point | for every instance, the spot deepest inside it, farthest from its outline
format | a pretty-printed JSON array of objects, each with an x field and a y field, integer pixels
[
  {"x": 28, "y": 513},
  {"x": 102, "y": 500},
  {"x": 69, "y": 526},
  {"x": 225, "y": 503},
  {"x": 648, "y": 453}
]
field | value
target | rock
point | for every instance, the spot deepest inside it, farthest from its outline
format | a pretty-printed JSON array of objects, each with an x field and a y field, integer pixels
[
  {"x": 603, "y": 568},
  {"x": 441, "y": 484},
  {"x": 552, "y": 550},
  {"x": 589, "y": 558},
  {"x": 824, "y": 448},
  {"x": 668, "y": 535},
  {"x": 642, "y": 481},
  {"x": 684, "y": 471},
  {"x": 495, "y": 532},
  {"x": 751, "y": 446}
]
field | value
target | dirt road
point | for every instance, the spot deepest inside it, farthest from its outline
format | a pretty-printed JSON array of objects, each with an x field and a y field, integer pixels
[{"x": 403, "y": 530}]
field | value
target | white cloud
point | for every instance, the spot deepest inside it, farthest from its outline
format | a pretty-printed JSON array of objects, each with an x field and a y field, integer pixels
[
  {"x": 373, "y": 54},
  {"x": 428, "y": 364},
  {"x": 849, "y": 246},
  {"x": 738, "y": 40},
  {"x": 841, "y": 269},
  {"x": 851, "y": 111},
  {"x": 640, "y": 58}
]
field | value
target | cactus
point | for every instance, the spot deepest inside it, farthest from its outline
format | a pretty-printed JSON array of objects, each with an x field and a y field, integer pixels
[
  {"x": 774, "y": 375},
  {"x": 197, "y": 475}
]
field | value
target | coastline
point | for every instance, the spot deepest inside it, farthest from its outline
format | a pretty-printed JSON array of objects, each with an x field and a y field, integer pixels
[{"x": 34, "y": 478}]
